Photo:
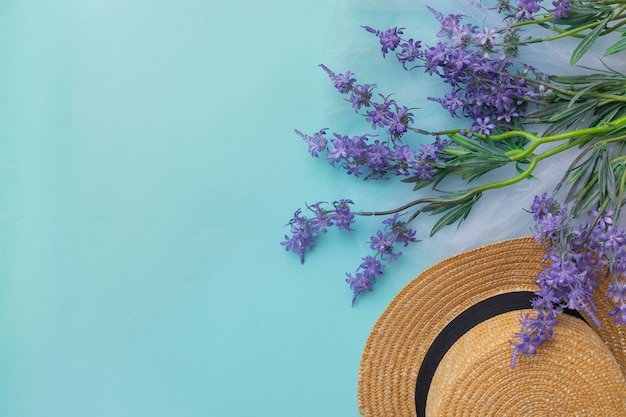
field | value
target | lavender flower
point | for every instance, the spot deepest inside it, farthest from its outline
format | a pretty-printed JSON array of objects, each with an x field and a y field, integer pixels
[
  {"x": 381, "y": 114},
  {"x": 535, "y": 331},
  {"x": 365, "y": 277},
  {"x": 617, "y": 291},
  {"x": 342, "y": 216},
  {"x": 400, "y": 121},
  {"x": 526, "y": 8},
  {"x": 304, "y": 229},
  {"x": 619, "y": 314},
  {"x": 361, "y": 96},
  {"x": 561, "y": 9},
  {"x": 343, "y": 82},
  {"x": 382, "y": 243},
  {"x": 488, "y": 36},
  {"x": 411, "y": 51},
  {"x": 483, "y": 126},
  {"x": 317, "y": 142},
  {"x": 389, "y": 39},
  {"x": 479, "y": 71}
]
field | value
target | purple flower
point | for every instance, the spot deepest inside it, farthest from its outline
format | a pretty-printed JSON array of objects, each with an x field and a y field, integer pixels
[
  {"x": 360, "y": 283},
  {"x": 613, "y": 238},
  {"x": 449, "y": 23},
  {"x": 321, "y": 221},
  {"x": 617, "y": 291},
  {"x": 526, "y": 8},
  {"x": 371, "y": 267},
  {"x": 423, "y": 170},
  {"x": 403, "y": 159},
  {"x": 535, "y": 331},
  {"x": 400, "y": 231},
  {"x": 380, "y": 115},
  {"x": 342, "y": 82},
  {"x": 376, "y": 155},
  {"x": 547, "y": 227},
  {"x": 411, "y": 50},
  {"x": 487, "y": 37},
  {"x": 400, "y": 120},
  {"x": 339, "y": 149},
  {"x": 453, "y": 101},
  {"x": 389, "y": 39},
  {"x": 604, "y": 219},
  {"x": 395, "y": 231},
  {"x": 619, "y": 313},
  {"x": 303, "y": 231},
  {"x": 561, "y": 9},
  {"x": 383, "y": 244},
  {"x": 462, "y": 35},
  {"x": 428, "y": 152},
  {"x": 361, "y": 96},
  {"x": 365, "y": 276},
  {"x": 483, "y": 126},
  {"x": 317, "y": 142},
  {"x": 342, "y": 216},
  {"x": 436, "y": 56},
  {"x": 543, "y": 206}
]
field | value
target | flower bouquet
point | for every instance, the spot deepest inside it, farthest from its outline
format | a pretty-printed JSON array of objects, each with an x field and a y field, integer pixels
[{"x": 520, "y": 115}]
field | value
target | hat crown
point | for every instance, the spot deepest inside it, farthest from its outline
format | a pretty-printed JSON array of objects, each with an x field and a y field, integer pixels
[{"x": 574, "y": 375}]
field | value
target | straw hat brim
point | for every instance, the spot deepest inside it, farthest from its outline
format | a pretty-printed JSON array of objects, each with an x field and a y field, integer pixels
[{"x": 400, "y": 340}]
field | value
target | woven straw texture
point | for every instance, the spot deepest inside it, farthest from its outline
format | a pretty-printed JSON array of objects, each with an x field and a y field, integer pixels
[
  {"x": 401, "y": 337},
  {"x": 576, "y": 375}
]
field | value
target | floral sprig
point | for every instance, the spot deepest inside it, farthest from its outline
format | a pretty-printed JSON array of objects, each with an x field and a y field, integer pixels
[
  {"x": 519, "y": 116},
  {"x": 577, "y": 258},
  {"x": 384, "y": 244}
]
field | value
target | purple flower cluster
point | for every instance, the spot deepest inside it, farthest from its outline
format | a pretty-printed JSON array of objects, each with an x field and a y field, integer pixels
[
  {"x": 359, "y": 155},
  {"x": 390, "y": 40},
  {"x": 376, "y": 159},
  {"x": 525, "y": 10},
  {"x": 609, "y": 243},
  {"x": 304, "y": 229},
  {"x": 486, "y": 84},
  {"x": 395, "y": 232},
  {"x": 577, "y": 258},
  {"x": 535, "y": 330},
  {"x": 384, "y": 114}
]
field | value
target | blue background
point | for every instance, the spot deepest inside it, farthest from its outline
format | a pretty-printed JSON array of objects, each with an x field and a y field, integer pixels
[{"x": 148, "y": 166}]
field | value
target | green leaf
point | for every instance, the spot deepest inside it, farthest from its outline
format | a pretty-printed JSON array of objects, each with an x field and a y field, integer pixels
[
  {"x": 588, "y": 41},
  {"x": 588, "y": 202},
  {"x": 616, "y": 47},
  {"x": 581, "y": 177},
  {"x": 573, "y": 119},
  {"x": 606, "y": 177},
  {"x": 568, "y": 112},
  {"x": 419, "y": 183},
  {"x": 608, "y": 114},
  {"x": 455, "y": 214}
]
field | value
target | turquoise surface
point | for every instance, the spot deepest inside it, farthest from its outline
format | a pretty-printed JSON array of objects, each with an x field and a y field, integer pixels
[{"x": 148, "y": 166}]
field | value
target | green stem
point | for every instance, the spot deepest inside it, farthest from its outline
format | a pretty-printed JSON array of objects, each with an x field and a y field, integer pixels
[
  {"x": 526, "y": 23},
  {"x": 573, "y": 93},
  {"x": 564, "y": 34},
  {"x": 440, "y": 133},
  {"x": 581, "y": 136}
]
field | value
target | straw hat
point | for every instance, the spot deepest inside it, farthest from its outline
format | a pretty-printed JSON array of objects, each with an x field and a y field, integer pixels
[{"x": 442, "y": 347}]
